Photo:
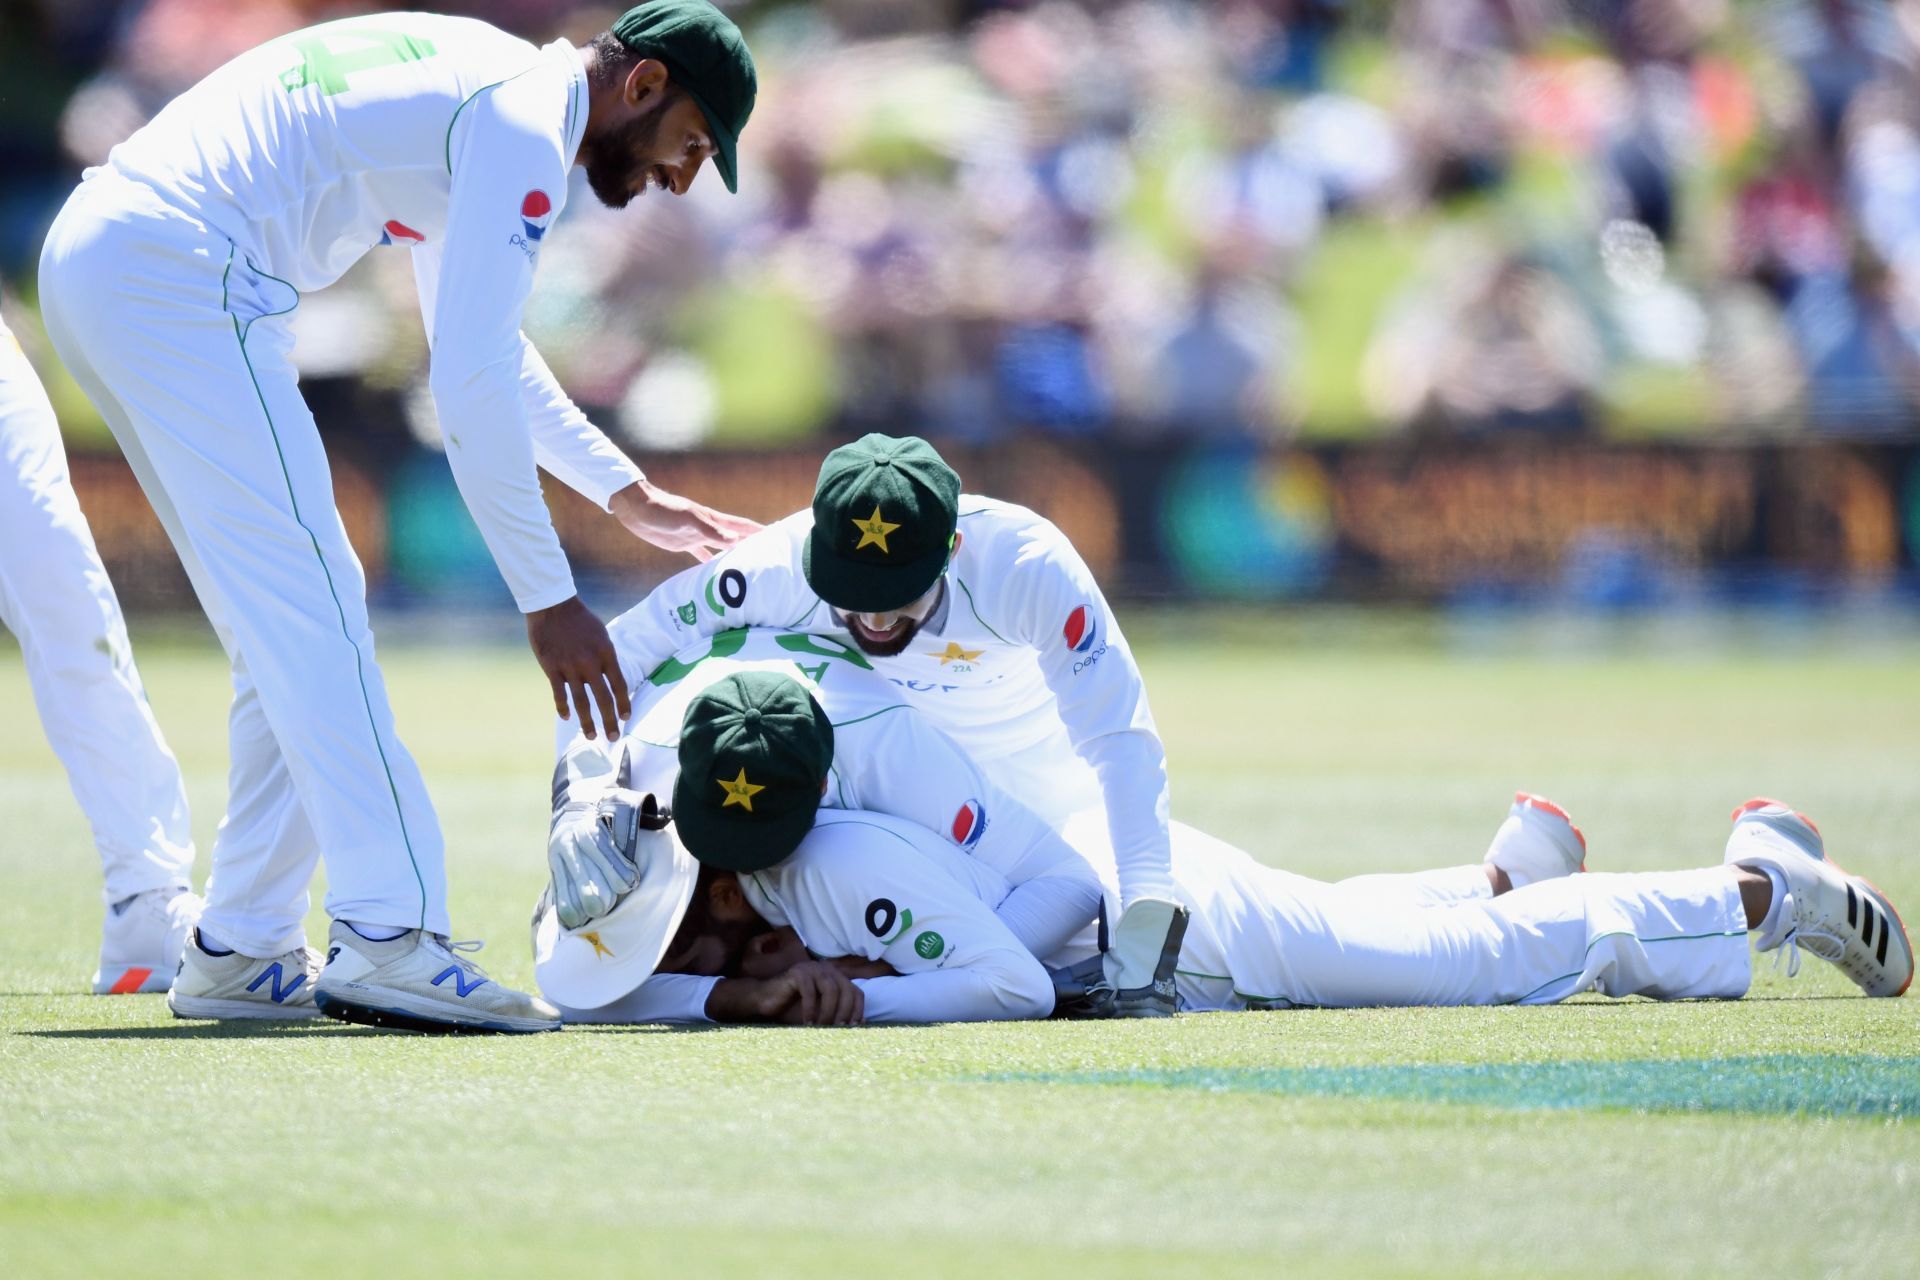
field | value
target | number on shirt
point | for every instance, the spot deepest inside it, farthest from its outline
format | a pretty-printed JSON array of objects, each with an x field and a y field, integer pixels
[
  {"x": 821, "y": 647},
  {"x": 727, "y": 643},
  {"x": 723, "y": 645},
  {"x": 322, "y": 64}
]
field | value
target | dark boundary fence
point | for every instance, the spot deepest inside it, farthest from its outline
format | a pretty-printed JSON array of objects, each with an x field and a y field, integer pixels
[{"x": 1495, "y": 519}]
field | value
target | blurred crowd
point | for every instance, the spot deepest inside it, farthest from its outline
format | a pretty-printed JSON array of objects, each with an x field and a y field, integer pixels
[{"x": 1251, "y": 219}]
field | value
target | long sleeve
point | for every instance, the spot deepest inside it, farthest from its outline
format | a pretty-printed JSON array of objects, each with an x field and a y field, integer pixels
[
  {"x": 565, "y": 443},
  {"x": 900, "y": 763},
  {"x": 664, "y": 997},
  {"x": 509, "y": 177},
  {"x": 869, "y": 885},
  {"x": 1060, "y": 611},
  {"x": 998, "y": 990}
]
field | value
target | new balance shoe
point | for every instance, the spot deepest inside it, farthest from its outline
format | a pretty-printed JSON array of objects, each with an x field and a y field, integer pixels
[
  {"x": 1538, "y": 841},
  {"x": 141, "y": 940},
  {"x": 1139, "y": 962},
  {"x": 1838, "y": 917},
  {"x": 242, "y": 986},
  {"x": 420, "y": 982}
]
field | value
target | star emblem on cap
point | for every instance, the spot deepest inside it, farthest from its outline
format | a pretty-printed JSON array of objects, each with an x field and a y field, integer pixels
[
  {"x": 874, "y": 531},
  {"x": 599, "y": 947},
  {"x": 955, "y": 653},
  {"x": 739, "y": 791}
]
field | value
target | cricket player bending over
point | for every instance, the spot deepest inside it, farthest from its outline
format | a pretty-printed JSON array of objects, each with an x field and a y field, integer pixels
[
  {"x": 743, "y": 733},
  {"x": 989, "y": 621},
  {"x": 166, "y": 283}
]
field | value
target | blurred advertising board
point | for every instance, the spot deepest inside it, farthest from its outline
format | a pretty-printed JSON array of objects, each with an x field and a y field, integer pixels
[
  {"x": 1600, "y": 524},
  {"x": 1522, "y": 519}
]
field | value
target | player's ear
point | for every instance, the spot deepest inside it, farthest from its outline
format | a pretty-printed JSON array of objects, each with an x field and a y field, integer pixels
[
  {"x": 954, "y": 550},
  {"x": 647, "y": 80}
]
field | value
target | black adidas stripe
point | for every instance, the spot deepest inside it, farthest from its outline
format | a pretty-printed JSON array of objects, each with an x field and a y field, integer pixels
[
  {"x": 1866, "y": 929},
  {"x": 1853, "y": 909}
]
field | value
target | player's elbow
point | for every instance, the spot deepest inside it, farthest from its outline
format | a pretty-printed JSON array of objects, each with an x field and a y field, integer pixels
[{"x": 1024, "y": 990}]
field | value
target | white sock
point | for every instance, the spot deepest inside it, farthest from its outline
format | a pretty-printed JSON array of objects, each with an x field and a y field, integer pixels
[
  {"x": 1771, "y": 924},
  {"x": 374, "y": 932}
]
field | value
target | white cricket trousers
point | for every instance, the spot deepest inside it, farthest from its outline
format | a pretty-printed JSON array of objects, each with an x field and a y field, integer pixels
[
  {"x": 183, "y": 345},
  {"x": 1666, "y": 934},
  {"x": 56, "y": 598}
]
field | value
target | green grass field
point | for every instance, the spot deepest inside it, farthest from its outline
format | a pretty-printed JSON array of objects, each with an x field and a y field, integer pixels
[{"x": 1771, "y": 1136}]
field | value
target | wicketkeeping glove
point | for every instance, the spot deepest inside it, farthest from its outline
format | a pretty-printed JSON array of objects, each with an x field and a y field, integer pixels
[{"x": 591, "y": 850}]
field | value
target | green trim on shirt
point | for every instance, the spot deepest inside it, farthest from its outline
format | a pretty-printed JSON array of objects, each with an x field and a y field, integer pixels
[
  {"x": 1627, "y": 933},
  {"x": 573, "y": 113},
  {"x": 976, "y": 611},
  {"x": 359, "y": 659},
  {"x": 463, "y": 106}
]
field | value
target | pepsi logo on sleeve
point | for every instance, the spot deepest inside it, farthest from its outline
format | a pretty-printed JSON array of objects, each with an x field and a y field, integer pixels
[
  {"x": 398, "y": 232},
  {"x": 1080, "y": 629},
  {"x": 969, "y": 824},
  {"x": 536, "y": 211},
  {"x": 1082, "y": 634}
]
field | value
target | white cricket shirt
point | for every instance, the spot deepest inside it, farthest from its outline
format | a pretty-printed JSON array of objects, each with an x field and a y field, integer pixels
[
  {"x": 442, "y": 136},
  {"x": 869, "y": 884},
  {"x": 1022, "y": 648}
]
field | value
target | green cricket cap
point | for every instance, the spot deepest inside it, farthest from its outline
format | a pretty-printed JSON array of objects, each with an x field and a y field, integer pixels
[
  {"x": 884, "y": 513},
  {"x": 707, "y": 56},
  {"x": 754, "y": 749}
]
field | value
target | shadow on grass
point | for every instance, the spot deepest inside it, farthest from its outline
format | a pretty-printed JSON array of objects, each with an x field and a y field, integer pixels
[
  {"x": 1768, "y": 1084},
  {"x": 306, "y": 1029}
]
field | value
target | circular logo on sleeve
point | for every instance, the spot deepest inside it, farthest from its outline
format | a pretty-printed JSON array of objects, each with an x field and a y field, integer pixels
[
  {"x": 1079, "y": 629},
  {"x": 536, "y": 211},
  {"x": 969, "y": 824},
  {"x": 929, "y": 945}
]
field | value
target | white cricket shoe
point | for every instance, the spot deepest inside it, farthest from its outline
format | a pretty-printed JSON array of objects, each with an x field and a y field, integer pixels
[
  {"x": 1841, "y": 918},
  {"x": 1768, "y": 821},
  {"x": 242, "y": 986},
  {"x": 141, "y": 940},
  {"x": 1538, "y": 841},
  {"x": 418, "y": 981}
]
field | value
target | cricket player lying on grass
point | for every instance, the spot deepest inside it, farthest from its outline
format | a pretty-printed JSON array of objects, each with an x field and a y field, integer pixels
[
  {"x": 768, "y": 718},
  {"x": 874, "y": 919},
  {"x": 987, "y": 620}
]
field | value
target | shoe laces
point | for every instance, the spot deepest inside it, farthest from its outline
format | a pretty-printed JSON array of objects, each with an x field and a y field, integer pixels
[
  {"x": 459, "y": 951},
  {"x": 1791, "y": 934}
]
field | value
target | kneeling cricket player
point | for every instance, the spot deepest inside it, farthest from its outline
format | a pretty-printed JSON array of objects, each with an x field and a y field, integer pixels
[{"x": 867, "y": 909}]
